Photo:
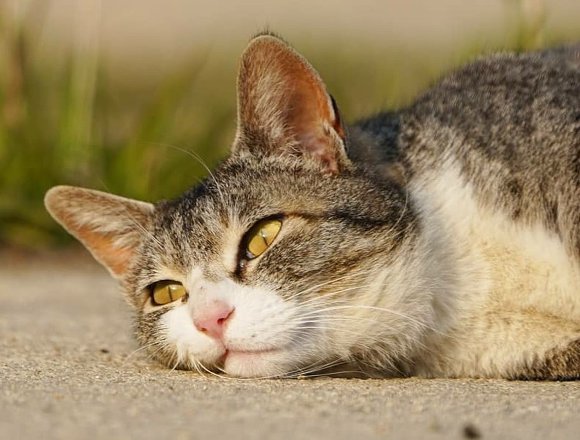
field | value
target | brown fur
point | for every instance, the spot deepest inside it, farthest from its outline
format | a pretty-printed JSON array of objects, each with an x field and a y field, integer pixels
[
  {"x": 556, "y": 364},
  {"x": 444, "y": 244}
]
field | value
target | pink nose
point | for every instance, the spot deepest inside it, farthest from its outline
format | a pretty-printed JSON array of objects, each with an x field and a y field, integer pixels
[{"x": 211, "y": 318}]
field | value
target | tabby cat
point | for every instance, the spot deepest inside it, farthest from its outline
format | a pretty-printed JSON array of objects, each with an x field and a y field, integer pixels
[{"x": 440, "y": 240}]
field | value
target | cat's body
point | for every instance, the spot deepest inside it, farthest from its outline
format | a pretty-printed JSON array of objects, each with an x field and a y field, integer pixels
[
  {"x": 442, "y": 240},
  {"x": 491, "y": 159}
]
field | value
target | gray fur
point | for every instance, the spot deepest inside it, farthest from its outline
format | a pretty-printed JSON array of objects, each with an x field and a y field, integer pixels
[
  {"x": 513, "y": 124},
  {"x": 356, "y": 235}
]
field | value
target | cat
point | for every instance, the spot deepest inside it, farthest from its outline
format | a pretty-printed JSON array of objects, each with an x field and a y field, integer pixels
[{"x": 440, "y": 240}]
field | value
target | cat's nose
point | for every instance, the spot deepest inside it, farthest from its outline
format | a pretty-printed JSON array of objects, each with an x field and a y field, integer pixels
[{"x": 211, "y": 318}]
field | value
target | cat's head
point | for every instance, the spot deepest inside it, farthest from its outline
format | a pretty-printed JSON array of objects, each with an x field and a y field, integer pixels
[{"x": 286, "y": 259}]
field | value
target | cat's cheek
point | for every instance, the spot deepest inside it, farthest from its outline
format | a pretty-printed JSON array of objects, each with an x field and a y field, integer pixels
[
  {"x": 262, "y": 321},
  {"x": 191, "y": 346}
]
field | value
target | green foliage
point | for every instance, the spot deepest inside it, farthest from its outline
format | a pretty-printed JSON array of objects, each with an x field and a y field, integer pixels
[{"x": 65, "y": 120}]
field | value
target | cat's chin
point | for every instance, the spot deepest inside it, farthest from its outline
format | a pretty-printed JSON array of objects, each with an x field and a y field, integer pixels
[{"x": 257, "y": 364}]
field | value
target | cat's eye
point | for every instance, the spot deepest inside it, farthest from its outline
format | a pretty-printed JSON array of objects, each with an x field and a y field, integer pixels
[
  {"x": 261, "y": 236},
  {"x": 165, "y": 292}
]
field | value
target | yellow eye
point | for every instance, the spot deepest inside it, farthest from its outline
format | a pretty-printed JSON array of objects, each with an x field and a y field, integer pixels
[
  {"x": 164, "y": 292},
  {"x": 261, "y": 236}
]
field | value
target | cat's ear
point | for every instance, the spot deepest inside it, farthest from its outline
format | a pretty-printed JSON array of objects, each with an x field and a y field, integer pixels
[
  {"x": 284, "y": 108},
  {"x": 110, "y": 227}
]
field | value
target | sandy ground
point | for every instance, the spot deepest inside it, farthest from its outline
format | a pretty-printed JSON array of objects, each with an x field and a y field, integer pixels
[{"x": 68, "y": 369}]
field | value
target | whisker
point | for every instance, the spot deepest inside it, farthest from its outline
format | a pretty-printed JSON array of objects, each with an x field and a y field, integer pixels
[
  {"x": 334, "y": 280},
  {"x": 201, "y": 162},
  {"x": 143, "y": 347}
]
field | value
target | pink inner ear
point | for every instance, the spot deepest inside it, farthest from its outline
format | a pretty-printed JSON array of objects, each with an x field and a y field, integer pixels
[
  {"x": 104, "y": 248},
  {"x": 279, "y": 88},
  {"x": 110, "y": 227},
  {"x": 311, "y": 117}
]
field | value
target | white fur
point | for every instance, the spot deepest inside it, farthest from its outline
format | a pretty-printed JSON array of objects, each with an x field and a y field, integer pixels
[
  {"x": 269, "y": 336},
  {"x": 477, "y": 295},
  {"x": 262, "y": 335},
  {"x": 518, "y": 291}
]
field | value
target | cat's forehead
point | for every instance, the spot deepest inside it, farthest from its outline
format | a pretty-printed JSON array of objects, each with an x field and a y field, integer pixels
[
  {"x": 248, "y": 188},
  {"x": 210, "y": 220},
  {"x": 230, "y": 200}
]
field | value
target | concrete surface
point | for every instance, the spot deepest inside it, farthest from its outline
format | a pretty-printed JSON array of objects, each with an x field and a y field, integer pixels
[{"x": 69, "y": 370}]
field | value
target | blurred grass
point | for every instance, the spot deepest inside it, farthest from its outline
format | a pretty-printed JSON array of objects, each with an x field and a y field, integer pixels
[{"x": 64, "y": 120}]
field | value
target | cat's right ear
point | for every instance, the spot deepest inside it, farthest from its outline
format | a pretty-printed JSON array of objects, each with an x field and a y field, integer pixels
[{"x": 110, "y": 227}]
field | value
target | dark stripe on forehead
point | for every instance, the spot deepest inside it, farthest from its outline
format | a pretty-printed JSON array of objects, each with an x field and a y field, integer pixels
[{"x": 353, "y": 219}]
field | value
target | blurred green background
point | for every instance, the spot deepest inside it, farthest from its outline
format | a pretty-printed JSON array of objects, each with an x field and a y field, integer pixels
[{"x": 130, "y": 96}]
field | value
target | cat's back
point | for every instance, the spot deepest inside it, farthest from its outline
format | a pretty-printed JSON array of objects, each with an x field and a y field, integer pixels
[
  {"x": 491, "y": 158},
  {"x": 510, "y": 125},
  {"x": 505, "y": 106},
  {"x": 506, "y": 125}
]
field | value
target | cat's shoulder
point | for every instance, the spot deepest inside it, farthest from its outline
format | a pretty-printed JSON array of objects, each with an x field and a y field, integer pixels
[
  {"x": 527, "y": 66},
  {"x": 491, "y": 91}
]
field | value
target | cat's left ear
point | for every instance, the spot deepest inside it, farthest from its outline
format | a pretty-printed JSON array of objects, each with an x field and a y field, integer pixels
[
  {"x": 284, "y": 108},
  {"x": 110, "y": 227}
]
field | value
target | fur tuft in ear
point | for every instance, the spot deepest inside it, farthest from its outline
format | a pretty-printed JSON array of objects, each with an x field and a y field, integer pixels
[
  {"x": 110, "y": 227},
  {"x": 284, "y": 108}
]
